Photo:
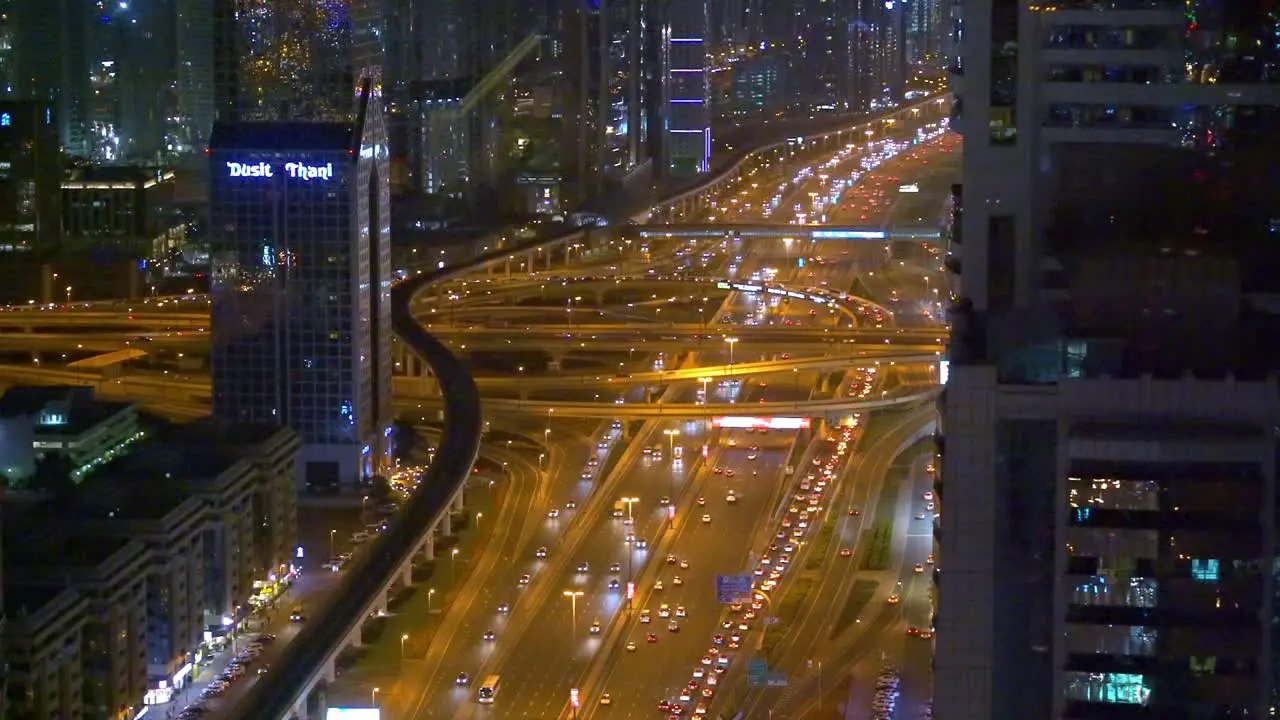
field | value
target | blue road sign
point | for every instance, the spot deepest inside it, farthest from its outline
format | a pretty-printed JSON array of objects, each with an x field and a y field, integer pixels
[
  {"x": 757, "y": 672},
  {"x": 733, "y": 589}
]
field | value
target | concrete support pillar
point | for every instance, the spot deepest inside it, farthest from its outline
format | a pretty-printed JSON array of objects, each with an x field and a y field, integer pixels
[
  {"x": 300, "y": 708},
  {"x": 548, "y": 253},
  {"x": 445, "y": 527},
  {"x": 509, "y": 257},
  {"x": 406, "y": 574},
  {"x": 429, "y": 547},
  {"x": 458, "y": 504},
  {"x": 354, "y": 639},
  {"x": 529, "y": 258}
]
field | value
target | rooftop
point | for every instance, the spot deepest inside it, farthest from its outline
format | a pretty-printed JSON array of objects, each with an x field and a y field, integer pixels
[
  {"x": 68, "y": 409},
  {"x": 21, "y": 600},
  {"x": 44, "y": 550}
]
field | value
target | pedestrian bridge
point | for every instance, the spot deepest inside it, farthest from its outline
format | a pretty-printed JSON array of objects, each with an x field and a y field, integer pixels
[{"x": 811, "y": 232}]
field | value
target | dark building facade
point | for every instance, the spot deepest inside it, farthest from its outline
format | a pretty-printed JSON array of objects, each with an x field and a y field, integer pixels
[
  {"x": 30, "y": 178},
  {"x": 301, "y": 283}
]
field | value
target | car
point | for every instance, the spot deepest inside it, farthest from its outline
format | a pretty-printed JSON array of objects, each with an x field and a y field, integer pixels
[
  {"x": 664, "y": 610},
  {"x": 583, "y": 567},
  {"x": 644, "y": 615},
  {"x": 651, "y": 638},
  {"x": 706, "y": 660},
  {"x": 731, "y": 498},
  {"x": 680, "y": 612},
  {"x": 504, "y": 608},
  {"x": 730, "y": 473},
  {"x": 614, "y": 584},
  {"x": 718, "y": 639},
  {"x": 925, "y": 635},
  {"x": 524, "y": 580},
  {"x": 672, "y": 559},
  {"x": 630, "y": 647},
  {"x": 706, "y": 518},
  {"x": 677, "y": 580},
  {"x": 930, "y": 507},
  {"x": 540, "y": 552},
  {"x": 615, "y": 567},
  {"x": 919, "y": 516},
  {"x": 658, "y": 586},
  {"x": 702, "y": 502},
  {"x": 752, "y": 456},
  {"x": 606, "y": 699},
  {"x": 296, "y": 615},
  {"x": 595, "y": 627},
  {"x": 919, "y": 568},
  {"x": 664, "y": 501},
  {"x": 684, "y": 564},
  {"x": 846, "y": 552},
  {"x": 572, "y": 504},
  {"x": 913, "y": 630},
  {"x": 928, "y": 495},
  {"x": 893, "y": 599},
  {"x": 673, "y": 626},
  {"x": 488, "y": 636},
  {"x": 462, "y": 679},
  {"x": 929, "y": 560},
  {"x": 641, "y": 544},
  {"x": 553, "y": 513},
  {"x": 663, "y": 706},
  {"x": 717, "y": 470}
]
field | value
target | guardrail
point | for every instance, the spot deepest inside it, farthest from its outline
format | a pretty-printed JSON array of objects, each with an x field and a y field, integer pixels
[{"x": 309, "y": 654}]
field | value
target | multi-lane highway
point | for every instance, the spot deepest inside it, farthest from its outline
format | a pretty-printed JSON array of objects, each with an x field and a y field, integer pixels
[{"x": 566, "y": 544}]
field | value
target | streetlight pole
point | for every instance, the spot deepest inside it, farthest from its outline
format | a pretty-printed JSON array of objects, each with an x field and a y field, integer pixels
[
  {"x": 373, "y": 696},
  {"x": 331, "y": 534},
  {"x": 431, "y": 593},
  {"x": 671, "y": 434},
  {"x": 403, "y": 638},
  {"x": 453, "y": 565},
  {"x": 731, "y": 342},
  {"x": 573, "y": 596}
]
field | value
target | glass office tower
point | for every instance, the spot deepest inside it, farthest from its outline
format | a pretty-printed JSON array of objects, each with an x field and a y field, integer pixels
[{"x": 300, "y": 219}]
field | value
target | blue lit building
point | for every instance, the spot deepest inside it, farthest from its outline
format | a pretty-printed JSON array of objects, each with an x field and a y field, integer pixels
[
  {"x": 301, "y": 282},
  {"x": 687, "y": 150}
]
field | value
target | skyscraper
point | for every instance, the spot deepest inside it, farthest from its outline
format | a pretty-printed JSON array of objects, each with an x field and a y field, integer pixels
[
  {"x": 609, "y": 102},
  {"x": 300, "y": 246},
  {"x": 109, "y": 68},
  {"x": 1108, "y": 541},
  {"x": 687, "y": 145}
]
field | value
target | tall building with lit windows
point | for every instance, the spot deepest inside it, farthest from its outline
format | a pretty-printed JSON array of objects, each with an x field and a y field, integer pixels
[
  {"x": 1107, "y": 546},
  {"x": 687, "y": 143},
  {"x": 300, "y": 239}
]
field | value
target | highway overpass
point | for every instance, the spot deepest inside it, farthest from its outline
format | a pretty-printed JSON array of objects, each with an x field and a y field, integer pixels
[
  {"x": 873, "y": 233},
  {"x": 837, "y": 407}
]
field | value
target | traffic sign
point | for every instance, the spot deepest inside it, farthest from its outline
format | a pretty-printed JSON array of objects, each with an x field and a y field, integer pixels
[
  {"x": 757, "y": 672},
  {"x": 733, "y": 589},
  {"x": 776, "y": 680}
]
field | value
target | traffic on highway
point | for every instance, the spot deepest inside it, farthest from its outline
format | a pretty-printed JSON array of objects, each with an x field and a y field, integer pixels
[{"x": 716, "y": 491}]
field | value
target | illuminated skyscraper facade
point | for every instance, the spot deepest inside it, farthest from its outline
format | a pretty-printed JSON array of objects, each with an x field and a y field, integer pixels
[
  {"x": 687, "y": 145},
  {"x": 300, "y": 242}
]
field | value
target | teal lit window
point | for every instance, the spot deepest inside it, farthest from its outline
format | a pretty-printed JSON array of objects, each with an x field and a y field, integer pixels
[{"x": 1205, "y": 570}]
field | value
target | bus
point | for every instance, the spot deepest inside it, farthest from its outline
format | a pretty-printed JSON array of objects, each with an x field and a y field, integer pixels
[{"x": 488, "y": 689}]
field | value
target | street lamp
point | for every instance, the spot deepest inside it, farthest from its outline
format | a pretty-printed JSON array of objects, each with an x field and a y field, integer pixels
[
  {"x": 704, "y": 381},
  {"x": 373, "y": 696},
  {"x": 403, "y": 638},
  {"x": 731, "y": 341},
  {"x": 453, "y": 564},
  {"x": 431, "y": 593},
  {"x": 331, "y": 534},
  {"x": 573, "y": 596},
  {"x": 479, "y": 516}
]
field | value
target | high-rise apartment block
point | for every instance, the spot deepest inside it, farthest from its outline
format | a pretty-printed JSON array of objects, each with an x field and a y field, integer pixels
[
  {"x": 30, "y": 177},
  {"x": 124, "y": 580},
  {"x": 1108, "y": 546},
  {"x": 852, "y": 54}
]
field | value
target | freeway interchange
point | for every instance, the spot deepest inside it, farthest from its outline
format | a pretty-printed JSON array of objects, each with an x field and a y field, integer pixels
[{"x": 610, "y": 388}]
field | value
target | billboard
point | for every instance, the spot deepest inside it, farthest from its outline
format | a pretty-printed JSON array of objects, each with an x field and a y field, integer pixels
[{"x": 757, "y": 423}]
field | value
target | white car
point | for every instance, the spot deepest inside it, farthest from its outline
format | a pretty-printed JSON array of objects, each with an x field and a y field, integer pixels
[{"x": 706, "y": 518}]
